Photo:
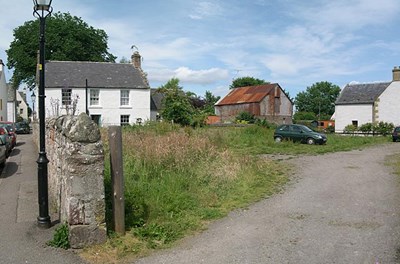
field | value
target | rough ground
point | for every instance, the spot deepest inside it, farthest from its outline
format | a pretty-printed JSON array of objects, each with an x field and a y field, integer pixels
[{"x": 341, "y": 208}]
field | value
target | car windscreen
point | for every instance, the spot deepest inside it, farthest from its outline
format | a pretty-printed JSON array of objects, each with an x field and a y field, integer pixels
[{"x": 307, "y": 129}]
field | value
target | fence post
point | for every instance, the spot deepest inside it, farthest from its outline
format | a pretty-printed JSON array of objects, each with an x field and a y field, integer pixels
[{"x": 117, "y": 178}]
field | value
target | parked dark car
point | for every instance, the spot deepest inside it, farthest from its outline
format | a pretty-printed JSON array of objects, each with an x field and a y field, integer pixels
[
  {"x": 299, "y": 133},
  {"x": 3, "y": 153},
  {"x": 396, "y": 133},
  {"x": 10, "y": 126},
  {"x": 22, "y": 128}
]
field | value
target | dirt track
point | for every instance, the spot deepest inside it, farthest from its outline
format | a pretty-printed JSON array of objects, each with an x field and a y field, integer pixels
[{"x": 342, "y": 208}]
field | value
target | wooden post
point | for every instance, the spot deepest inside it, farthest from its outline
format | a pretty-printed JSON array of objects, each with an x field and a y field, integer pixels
[{"x": 117, "y": 178}]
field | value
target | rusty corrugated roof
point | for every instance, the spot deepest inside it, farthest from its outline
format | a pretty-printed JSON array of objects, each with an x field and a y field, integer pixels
[{"x": 248, "y": 94}]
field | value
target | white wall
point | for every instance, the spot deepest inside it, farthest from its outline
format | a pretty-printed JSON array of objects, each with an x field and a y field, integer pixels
[
  {"x": 109, "y": 107},
  {"x": 388, "y": 107},
  {"x": 22, "y": 108},
  {"x": 3, "y": 94},
  {"x": 345, "y": 114},
  {"x": 11, "y": 111}
]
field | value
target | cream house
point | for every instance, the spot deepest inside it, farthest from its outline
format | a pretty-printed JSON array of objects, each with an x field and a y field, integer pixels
[
  {"x": 358, "y": 104},
  {"x": 111, "y": 93}
]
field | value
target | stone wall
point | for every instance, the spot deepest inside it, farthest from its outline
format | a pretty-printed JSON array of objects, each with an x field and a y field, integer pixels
[{"x": 75, "y": 177}]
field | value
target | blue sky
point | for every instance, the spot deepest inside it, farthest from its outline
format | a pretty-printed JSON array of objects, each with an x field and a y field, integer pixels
[{"x": 206, "y": 44}]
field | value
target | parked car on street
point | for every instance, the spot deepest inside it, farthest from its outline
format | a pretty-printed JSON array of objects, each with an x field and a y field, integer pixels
[
  {"x": 22, "y": 128},
  {"x": 3, "y": 153},
  {"x": 396, "y": 133},
  {"x": 6, "y": 137},
  {"x": 299, "y": 133},
  {"x": 10, "y": 126}
]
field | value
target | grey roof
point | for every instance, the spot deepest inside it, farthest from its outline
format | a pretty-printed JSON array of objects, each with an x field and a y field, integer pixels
[
  {"x": 365, "y": 93},
  {"x": 156, "y": 100},
  {"x": 11, "y": 96},
  {"x": 99, "y": 75},
  {"x": 23, "y": 96}
]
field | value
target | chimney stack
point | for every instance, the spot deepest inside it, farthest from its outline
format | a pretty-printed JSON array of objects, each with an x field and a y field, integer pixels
[
  {"x": 396, "y": 74},
  {"x": 136, "y": 60}
]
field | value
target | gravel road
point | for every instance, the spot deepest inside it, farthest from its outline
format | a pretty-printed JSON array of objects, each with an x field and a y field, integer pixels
[{"x": 340, "y": 208}]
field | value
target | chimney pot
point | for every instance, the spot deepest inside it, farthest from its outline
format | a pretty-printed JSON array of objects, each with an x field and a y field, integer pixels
[
  {"x": 396, "y": 74},
  {"x": 136, "y": 60}
]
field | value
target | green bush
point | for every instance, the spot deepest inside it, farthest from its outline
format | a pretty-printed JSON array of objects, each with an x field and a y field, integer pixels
[
  {"x": 383, "y": 128},
  {"x": 350, "y": 129},
  {"x": 245, "y": 116},
  {"x": 366, "y": 128},
  {"x": 264, "y": 123},
  {"x": 330, "y": 129}
]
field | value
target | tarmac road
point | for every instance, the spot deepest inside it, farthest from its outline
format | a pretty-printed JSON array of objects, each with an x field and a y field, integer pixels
[
  {"x": 21, "y": 241},
  {"x": 342, "y": 208}
]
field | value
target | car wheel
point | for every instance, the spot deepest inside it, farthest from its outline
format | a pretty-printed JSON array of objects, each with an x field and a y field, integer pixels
[
  {"x": 278, "y": 139},
  {"x": 310, "y": 141}
]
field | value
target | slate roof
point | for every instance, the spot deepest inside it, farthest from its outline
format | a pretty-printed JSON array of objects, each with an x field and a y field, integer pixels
[
  {"x": 73, "y": 74},
  {"x": 365, "y": 93},
  {"x": 156, "y": 100},
  {"x": 247, "y": 94}
]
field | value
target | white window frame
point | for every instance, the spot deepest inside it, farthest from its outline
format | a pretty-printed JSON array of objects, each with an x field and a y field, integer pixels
[
  {"x": 94, "y": 97},
  {"x": 66, "y": 96},
  {"x": 124, "y": 97}
]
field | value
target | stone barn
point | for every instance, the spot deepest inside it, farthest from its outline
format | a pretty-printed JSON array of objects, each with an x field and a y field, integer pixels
[{"x": 267, "y": 101}]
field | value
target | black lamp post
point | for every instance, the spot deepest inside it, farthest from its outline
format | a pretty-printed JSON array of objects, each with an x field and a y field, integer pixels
[
  {"x": 33, "y": 98},
  {"x": 42, "y": 9}
]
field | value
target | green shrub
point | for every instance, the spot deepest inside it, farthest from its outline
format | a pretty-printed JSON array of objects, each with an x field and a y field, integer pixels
[
  {"x": 330, "y": 129},
  {"x": 383, "y": 128},
  {"x": 264, "y": 123},
  {"x": 60, "y": 238},
  {"x": 245, "y": 116},
  {"x": 350, "y": 129},
  {"x": 366, "y": 128}
]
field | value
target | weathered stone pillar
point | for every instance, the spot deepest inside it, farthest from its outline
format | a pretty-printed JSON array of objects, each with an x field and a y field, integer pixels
[{"x": 76, "y": 177}]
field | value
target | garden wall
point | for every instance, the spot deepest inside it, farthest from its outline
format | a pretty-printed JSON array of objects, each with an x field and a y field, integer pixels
[{"x": 76, "y": 177}]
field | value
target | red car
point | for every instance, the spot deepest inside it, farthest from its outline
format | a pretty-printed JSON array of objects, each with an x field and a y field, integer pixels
[
  {"x": 10, "y": 126},
  {"x": 7, "y": 139}
]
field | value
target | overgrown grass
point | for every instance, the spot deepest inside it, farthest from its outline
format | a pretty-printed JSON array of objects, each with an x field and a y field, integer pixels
[
  {"x": 177, "y": 180},
  {"x": 259, "y": 140}
]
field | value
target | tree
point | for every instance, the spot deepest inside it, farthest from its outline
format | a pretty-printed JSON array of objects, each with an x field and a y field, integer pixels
[
  {"x": 177, "y": 106},
  {"x": 210, "y": 101},
  {"x": 246, "y": 81},
  {"x": 67, "y": 38},
  {"x": 319, "y": 99}
]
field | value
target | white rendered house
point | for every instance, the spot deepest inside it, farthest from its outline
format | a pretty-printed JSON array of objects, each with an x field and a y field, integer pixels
[
  {"x": 111, "y": 93},
  {"x": 358, "y": 104},
  {"x": 3, "y": 93}
]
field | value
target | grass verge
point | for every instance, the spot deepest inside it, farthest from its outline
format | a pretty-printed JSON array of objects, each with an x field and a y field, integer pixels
[{"x": 178, "y": 180}]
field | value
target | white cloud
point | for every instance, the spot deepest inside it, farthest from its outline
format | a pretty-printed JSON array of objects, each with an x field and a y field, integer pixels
[
  {"x": 186, "y": 75},
  {"x": 201, "y": 76},
  {"x": 205, "y": 9},
  {"x": 348, "y": 15}
]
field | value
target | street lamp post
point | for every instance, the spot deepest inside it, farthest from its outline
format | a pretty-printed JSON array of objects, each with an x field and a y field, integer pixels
[
  {"x": 33, "y": 99},
  {"x": 42, "y": 9}
]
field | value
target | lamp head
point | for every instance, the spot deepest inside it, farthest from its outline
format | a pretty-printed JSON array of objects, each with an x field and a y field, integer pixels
[
  {"x": 42, "y": 4},
  {"x": 33, "y": 96}
]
